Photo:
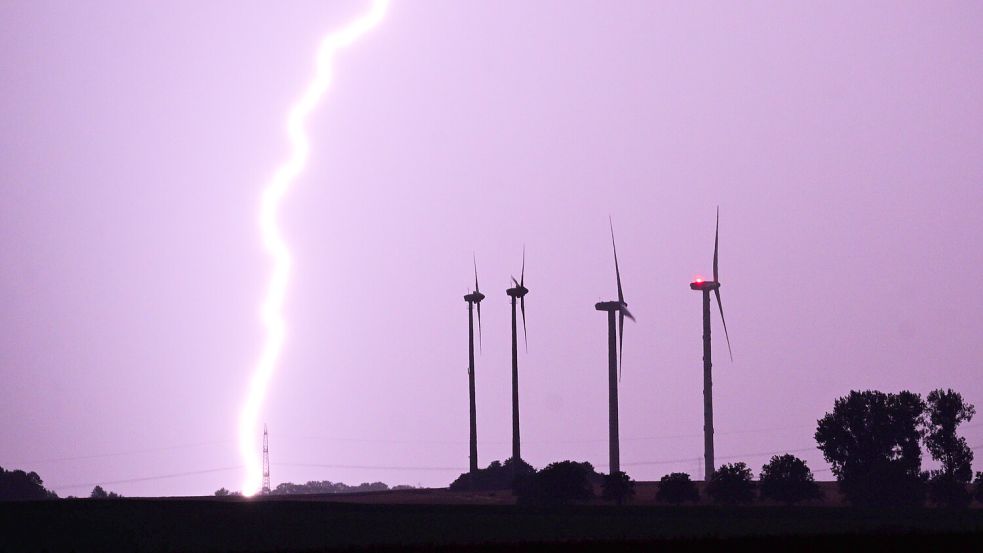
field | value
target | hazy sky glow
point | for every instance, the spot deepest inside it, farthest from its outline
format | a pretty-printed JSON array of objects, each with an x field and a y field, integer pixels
[{"x": 842, "y": 142}]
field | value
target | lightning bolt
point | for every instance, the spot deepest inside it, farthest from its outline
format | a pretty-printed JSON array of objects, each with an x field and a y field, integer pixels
[{"x": 273, "y": 242}]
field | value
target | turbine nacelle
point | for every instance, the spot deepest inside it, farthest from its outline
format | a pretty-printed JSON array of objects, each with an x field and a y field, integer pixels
[
  {"x": 614, "y": 306},
  {"x": 517, "y": 292},
  {"x": 704, "y": 285},
  {"x": 474, "y": 297}
]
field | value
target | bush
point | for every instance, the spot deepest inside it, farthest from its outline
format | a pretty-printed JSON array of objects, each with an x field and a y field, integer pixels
[
  {"x": 787, "y": 479},
  {"x": 731, "y": 485},
  {"x": 558, "y": 484},
  {"x": 497, "y": 476},
  {"x": 618, "y": 487},
  {"x": 676, "y": 488},
  {"x": 946, "y": 490}
]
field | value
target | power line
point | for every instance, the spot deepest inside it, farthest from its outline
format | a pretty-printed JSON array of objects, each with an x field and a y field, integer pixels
[
  {"x": 766, "y": 453},
  {"x": 125, "y": 453},
  {"x": 369, "y": 467},
  {"x": 597, "y": 440},
  {"x": 419, "y": 468},
  {"x": 691, "y": 459},
  {"x": 396, "y": 441},
  {"x": 146, "y": 478}
]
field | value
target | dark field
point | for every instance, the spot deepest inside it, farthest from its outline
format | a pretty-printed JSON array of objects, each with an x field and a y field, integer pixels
[{"x": 422, "y": 521}]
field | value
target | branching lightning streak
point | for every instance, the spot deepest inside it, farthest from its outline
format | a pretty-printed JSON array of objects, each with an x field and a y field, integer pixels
[{"x": 273, "y": 242}]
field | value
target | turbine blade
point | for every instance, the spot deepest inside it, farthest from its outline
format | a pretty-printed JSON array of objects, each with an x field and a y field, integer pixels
[
  {"x": 479, "y": 327},
  {"x": 617, "y": 270},
  {"x": 621, "y": 340},
  {"x": 522, "y": 275},
  {"x": 475, "y": 272},
  {"x": 716, "y": 236},
  {"x": 516, "y": 282},
  {"x": 522, "y": 306},
  {"x": 624, "y": 309},
  {"x": 716, "y": 292}
]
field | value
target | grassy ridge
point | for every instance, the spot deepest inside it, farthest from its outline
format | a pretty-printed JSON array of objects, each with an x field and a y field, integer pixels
[{"x": 258, "y": 525}]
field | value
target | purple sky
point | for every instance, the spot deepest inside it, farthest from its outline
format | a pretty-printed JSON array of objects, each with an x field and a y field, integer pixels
[{"x": 842, "y": 142}]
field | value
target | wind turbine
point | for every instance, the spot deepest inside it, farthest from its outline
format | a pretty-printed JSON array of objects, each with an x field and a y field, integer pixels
[
  {"x": 474, "y": 300},
  {"x": 519, "y": 292},
  {"x": 614, "y": 358},
  {"x": 705, "y": 287}
]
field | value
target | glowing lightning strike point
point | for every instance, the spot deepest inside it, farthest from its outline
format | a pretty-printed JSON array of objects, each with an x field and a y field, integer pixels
[{"x": 273, "y": 243}]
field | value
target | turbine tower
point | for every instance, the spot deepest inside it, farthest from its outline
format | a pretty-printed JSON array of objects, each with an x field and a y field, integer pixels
[
  {"x": 519, "y": 292},
  {"x": 705, "y": 287},
  {"x": 614, "y": 358},
  {"x": 266, "y": 462},
  {"x": 474, "y": 300}
]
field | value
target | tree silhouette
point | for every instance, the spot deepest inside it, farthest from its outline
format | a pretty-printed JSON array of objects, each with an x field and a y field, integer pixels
[
  {"x": 731, "y": 484},
  {"x": 99, "y": 493},
  {"x": 559, "y": 483},
  {"x": 618, "y": 487},
  {"x": 945, "y": 411},
  {"x": 497, "y": 476},
  {"x": 676, "y": 488},
  {"x": 17, "y": 485},
  {"x": 787, "y": 479},
  {"x": 872, "y": 440}
]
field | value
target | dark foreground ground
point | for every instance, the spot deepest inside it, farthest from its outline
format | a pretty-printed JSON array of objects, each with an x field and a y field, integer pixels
[{"x": 319, "y": 524}]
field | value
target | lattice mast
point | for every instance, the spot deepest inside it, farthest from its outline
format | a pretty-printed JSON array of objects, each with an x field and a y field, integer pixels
[{"x": 266, "y": 462}]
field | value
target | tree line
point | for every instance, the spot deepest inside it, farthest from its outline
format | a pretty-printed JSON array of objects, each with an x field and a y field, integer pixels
[
  {"x": 18, "y": 485},
  {"x": 872, "y": 440},
  {"x": 321, "y": 487}
]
